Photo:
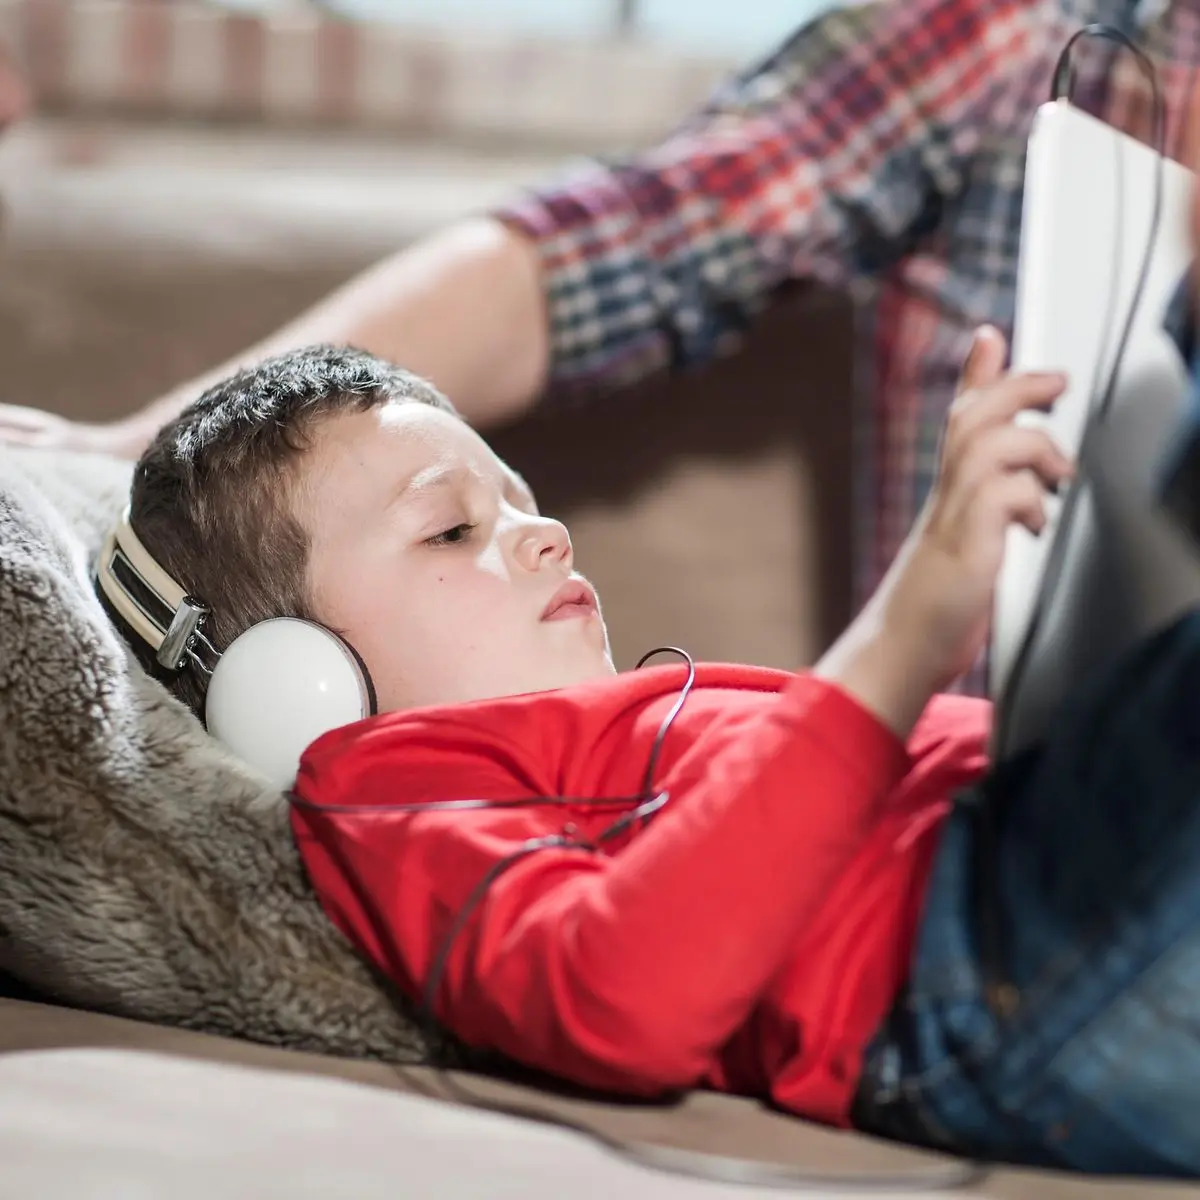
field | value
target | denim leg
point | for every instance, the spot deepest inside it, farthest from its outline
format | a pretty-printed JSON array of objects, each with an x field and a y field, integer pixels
[{"x": 1053, "y": 1012}]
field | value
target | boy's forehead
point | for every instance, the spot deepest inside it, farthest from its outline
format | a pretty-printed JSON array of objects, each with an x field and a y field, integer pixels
[
  {"x": 436, "y": 442},
  {"x": 414, "y": 444}
]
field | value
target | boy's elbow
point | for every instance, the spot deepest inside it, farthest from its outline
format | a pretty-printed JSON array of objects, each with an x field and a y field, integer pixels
[
  {"x": 650, "y": 1054},
  {"x": 639, "y": 1027},
  {"x": 670, "y": 1063}
]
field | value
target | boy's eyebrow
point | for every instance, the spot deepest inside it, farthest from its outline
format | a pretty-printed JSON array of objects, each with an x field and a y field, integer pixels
[
  {"x": 424, "y": 480},
  {"x": 427, "y": 479}
]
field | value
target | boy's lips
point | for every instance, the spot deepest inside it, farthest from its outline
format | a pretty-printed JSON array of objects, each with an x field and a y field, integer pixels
[{"x": 574, "y": 599}]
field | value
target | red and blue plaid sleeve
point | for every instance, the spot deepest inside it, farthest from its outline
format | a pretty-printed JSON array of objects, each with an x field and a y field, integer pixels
[{"x": 823, "y": 162}]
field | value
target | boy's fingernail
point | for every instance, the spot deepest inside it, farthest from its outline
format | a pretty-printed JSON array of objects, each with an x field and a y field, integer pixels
[{"x": 1056, "y": 486}]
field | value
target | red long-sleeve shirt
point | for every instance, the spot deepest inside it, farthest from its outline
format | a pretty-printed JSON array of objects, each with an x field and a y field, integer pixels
[{"x": 749, "y": 937}]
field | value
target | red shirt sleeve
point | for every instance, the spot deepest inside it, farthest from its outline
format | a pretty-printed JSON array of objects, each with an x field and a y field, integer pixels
[{"x": 622, "y": 972}]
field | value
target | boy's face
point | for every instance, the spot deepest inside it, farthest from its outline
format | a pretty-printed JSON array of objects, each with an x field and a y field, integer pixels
[{"x": 429, "y": 557}]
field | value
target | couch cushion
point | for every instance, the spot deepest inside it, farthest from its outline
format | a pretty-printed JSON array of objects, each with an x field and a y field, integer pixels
[
  {"x": 142, "y": 870},
  {"x": 61, "y": 1121}
]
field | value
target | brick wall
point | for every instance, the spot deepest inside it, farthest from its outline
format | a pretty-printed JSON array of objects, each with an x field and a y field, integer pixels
[{"x": 190, "y": 59}]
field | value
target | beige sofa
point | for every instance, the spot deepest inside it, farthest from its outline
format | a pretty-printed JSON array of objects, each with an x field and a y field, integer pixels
[{"x": 712, "y": 512}]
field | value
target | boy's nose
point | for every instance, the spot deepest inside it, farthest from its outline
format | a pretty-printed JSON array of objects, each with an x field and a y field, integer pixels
[{"x": 546, "y": 542}]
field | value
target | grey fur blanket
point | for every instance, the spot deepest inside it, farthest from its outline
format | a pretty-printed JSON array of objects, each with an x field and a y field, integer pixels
[{"x": 142, "y": 871}]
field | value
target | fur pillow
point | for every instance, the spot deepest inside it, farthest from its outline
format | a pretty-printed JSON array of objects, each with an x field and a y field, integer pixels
[{"x": 143, "y": 872}]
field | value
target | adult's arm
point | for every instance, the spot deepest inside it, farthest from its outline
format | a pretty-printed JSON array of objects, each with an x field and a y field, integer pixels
[{"x": 463, "y": 307}]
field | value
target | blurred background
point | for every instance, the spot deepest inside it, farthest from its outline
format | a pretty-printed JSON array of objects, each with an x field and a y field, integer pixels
[
  {"x": 712, "y": 25},
  {"x": 183, "y": 176}
]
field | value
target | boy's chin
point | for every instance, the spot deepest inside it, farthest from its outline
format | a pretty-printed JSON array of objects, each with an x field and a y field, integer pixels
[{"x": 601, "y": 667}]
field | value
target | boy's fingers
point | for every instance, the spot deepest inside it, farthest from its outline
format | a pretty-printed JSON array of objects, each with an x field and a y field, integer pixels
[
  {"x": 1014, "y": 448},
  {"x": 1026, "y": 501},
  {"x": 988, "y": 468},
  {"x": 998, "y": 405},
  {"x": 985, "y": 361},
  {"x": 1016, "y": 498},
  {"x": 1025, "y": 393}
]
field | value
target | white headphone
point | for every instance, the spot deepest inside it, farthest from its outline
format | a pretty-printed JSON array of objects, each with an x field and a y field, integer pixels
[{"x": 276, "y": 687}]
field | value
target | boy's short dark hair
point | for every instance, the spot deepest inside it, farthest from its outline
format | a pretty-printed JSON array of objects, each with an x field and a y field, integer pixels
[{"x": 212, "y": 494}]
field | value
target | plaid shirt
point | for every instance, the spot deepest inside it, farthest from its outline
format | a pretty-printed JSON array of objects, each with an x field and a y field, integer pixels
[{"x": 881, "y": 150}]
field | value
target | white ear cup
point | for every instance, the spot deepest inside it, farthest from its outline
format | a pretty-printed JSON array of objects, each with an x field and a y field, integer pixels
[{"x": 280, "y": 686}]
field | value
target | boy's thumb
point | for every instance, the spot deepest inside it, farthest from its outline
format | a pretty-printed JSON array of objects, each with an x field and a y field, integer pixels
[{"x": 985, "y": 360}]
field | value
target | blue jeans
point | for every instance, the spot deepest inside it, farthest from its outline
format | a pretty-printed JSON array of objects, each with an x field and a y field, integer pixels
[{"x": 1052, "y": 1016}]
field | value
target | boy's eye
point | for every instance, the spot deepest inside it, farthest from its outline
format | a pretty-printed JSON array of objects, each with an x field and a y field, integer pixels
[{"x": 451, "y": 536}]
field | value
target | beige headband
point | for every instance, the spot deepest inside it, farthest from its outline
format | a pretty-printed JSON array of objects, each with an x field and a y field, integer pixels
[{"x": 123, "y": 543}]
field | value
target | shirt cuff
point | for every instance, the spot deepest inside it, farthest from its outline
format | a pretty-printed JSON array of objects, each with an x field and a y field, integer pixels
[{"x": 527, "y": 214}]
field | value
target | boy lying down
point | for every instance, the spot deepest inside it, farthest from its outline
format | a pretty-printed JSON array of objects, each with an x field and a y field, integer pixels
[{"x": 801, "y": 912}]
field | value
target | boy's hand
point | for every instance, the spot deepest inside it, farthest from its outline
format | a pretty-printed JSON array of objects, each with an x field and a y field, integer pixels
[
  {"x": 993, "y": 473},
  {"x": 928, "y": 620}
]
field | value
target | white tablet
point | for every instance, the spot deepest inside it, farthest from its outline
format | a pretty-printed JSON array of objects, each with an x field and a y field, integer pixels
[{"x": 1117, "y": 566}]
